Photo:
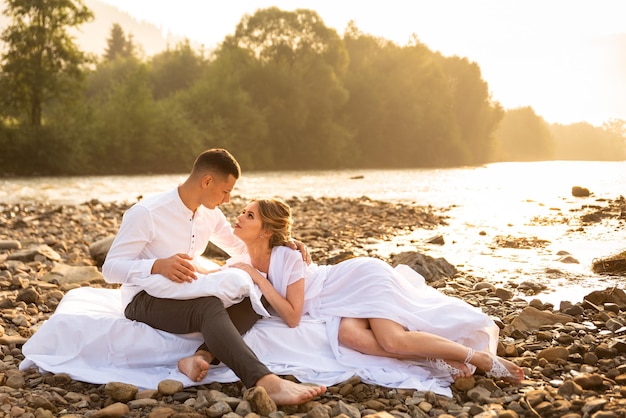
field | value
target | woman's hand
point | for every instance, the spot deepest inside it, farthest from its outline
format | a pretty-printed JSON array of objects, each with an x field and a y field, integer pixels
[
  {"x": 256, "y": 276},
  {"x": 289, "y": 308}
]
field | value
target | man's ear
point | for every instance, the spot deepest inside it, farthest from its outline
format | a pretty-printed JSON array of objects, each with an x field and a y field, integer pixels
[{"x": 207, "y": 179}]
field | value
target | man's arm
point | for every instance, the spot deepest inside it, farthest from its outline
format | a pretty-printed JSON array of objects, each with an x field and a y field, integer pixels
[
  {"x": 131, "y": 257},
  {"x": 125, "y": 261}
]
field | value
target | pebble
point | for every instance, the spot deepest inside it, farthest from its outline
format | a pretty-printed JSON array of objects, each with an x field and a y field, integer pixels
[
  {"x": 574, "y": 356},
  {"x": 170, "y": 387}
]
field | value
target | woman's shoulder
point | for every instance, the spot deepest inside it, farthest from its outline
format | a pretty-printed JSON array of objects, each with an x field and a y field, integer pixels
[
  {"x": 286, "y": 256},
  {"x": 284, "y": 251}
]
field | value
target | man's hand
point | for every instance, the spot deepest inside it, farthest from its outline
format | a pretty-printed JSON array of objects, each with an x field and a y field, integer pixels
[
  {"x": 300, "y": 246},
  {"x": 176, "y": 268}
]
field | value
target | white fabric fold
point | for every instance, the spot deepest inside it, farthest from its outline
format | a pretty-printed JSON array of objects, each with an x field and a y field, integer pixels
[
  {"x": 231, "y": 285},
  {"x": 89, "y": 338}
]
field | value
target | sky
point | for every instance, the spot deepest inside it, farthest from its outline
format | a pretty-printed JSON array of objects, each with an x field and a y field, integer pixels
[{"x": 564, "y": 58}]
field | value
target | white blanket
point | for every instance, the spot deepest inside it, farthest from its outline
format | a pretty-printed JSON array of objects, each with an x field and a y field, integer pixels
[{"x": 89, "y": 338}]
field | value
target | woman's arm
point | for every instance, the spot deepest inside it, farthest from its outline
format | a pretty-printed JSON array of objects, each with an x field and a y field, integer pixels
[{"x": 289, "y": 307}]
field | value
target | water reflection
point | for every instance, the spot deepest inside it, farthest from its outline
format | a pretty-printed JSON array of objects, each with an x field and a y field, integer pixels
[{"x": 505, "y": 199}]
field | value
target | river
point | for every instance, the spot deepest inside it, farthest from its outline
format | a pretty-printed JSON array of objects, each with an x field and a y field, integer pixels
[{"x": 501, "y": 199}]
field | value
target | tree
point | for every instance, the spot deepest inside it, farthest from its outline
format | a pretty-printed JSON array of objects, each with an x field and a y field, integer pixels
[
  {"x": 583, "y": 141},
  {"x": 41, "y": 62},
  {"x": 524, "y": 136},
  {"x": 223, "y": 112},
  {"x": 616, "y": 127},
  {"x": 400, "y": 106},
  {"x": 118, "y": 45},
  {"x": 476, "y": 114},
  {"x": 175, "y": 69},
  {"x": 296, "y": 82}
]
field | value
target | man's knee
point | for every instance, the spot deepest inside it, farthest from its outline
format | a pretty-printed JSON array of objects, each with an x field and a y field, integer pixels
[{"x": 208, "y": 304}]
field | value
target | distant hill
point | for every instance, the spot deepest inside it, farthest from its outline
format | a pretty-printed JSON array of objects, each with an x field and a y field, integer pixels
[{"x": 92, "y": 36}]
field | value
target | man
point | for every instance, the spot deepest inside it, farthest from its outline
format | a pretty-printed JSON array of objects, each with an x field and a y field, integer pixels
[{"x": 165, "y": 235}]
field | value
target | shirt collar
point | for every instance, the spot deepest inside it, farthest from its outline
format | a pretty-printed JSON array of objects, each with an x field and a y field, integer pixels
[{"x": 181, "y": 205}]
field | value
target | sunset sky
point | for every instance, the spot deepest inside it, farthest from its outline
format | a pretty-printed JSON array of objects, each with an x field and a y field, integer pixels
[{"x": 565, "y": 58}]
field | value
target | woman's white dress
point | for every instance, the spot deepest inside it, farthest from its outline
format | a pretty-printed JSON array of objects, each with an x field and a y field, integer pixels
[
  {"x": 89, "y": 338},
  {"x": 366, "y": 287}
]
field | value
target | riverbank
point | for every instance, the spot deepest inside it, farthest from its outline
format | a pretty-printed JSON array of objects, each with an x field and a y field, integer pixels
[{"x": 573, "y": 353}]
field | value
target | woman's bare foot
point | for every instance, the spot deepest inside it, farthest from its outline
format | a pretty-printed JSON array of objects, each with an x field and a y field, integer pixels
[
  {"x": 455, "y": 368},
  {"x": 498, "y": 367},
  {"x": 461, "y": 369},
  {"x": 196, "y": 366},
  {"x": 286, "y": 392}
]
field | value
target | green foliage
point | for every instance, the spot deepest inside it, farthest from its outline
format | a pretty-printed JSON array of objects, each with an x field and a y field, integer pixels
[
  {"x": 126, "y": 116},
  {"x": 400, "y": 104},
  {"x": 118, "y": 45},
  {"x": 617, "y": 127},
  {"x": 41, "y": 62},
  {"x": 283, "y": 92},
  {"x": 133, "y": 132},
  {"x": 295, "y": 82},
  {"x": 524, "y": 136},
  {"x": 582, "y": 141},
  {"x": 222, "y": 111},
  {"x": 175, "y": 70},
  {"x": 476, "y": 115},
  {"x": 10, "y": 157}
]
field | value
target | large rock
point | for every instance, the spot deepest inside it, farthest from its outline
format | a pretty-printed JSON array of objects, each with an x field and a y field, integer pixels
[
  {"x": 10, "y": 244},
  {"x": 431, "y": 268},
  {"x": 531, "y": 319},
  {"x": 610, "y": 295},
  {"x": 99, "y": 249},
  {"x": 578, "y": 191},
  {"x": 260, "y": 401},
  {"x": 28, "y": 254},
  {"x": 64, "y": 274}
]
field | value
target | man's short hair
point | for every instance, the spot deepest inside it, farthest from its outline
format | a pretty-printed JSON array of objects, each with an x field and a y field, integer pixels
[{"x": 217, "y": 161}]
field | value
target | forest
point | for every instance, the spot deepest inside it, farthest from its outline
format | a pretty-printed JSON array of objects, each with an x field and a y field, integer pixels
[{"x": 283, "y": 92}]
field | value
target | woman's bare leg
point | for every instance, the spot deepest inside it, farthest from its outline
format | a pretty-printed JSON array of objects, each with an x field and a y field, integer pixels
[
  {"x": 395, "y": 339},
  {"x": 391, "y": 339},
  {"x": 356, "y": 334},
  {"x": 383, "y": 337}
]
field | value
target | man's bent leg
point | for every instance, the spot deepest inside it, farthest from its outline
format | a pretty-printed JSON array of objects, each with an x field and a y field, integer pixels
[
  {"x": 243, "y": 315},
  {"x": 208, "y": 316}
]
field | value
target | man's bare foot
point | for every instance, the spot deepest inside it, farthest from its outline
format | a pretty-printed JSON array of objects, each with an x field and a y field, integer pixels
[
  {"x": 286, "y": 392},
  {"x": 196, "y": 366}
]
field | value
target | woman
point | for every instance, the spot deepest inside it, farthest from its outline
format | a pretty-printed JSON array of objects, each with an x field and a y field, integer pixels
[{"x": 380, "y": 312}]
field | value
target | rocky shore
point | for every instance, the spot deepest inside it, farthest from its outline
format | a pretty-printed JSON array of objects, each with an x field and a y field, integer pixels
[{"x": 574, "y": 355}]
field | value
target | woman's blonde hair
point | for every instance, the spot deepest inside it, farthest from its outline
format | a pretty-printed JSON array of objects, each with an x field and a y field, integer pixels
[{"x": 275, "y": 216}]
